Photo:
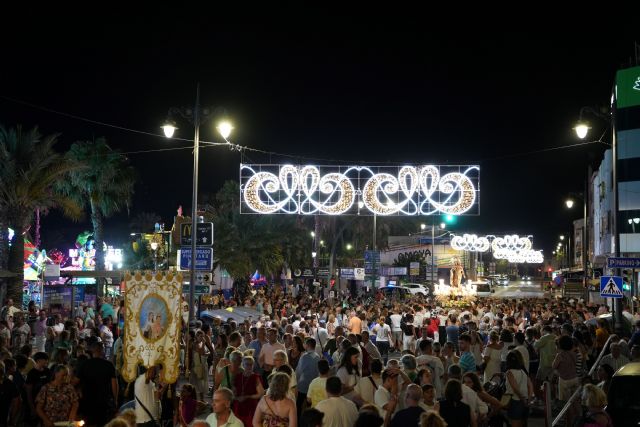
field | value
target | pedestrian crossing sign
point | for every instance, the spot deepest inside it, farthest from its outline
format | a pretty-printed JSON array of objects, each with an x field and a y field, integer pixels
[{"x": 611, "y": 287}]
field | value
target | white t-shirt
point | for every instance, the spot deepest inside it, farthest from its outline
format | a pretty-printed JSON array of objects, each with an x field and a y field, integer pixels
[
  {"x": 338, "y": 412},
  {"x": 395, "y": 322},
  {"x": 348, "y": 380},
  {"x": 145, "y": 392},
  {"x": 382, "y": 396},
  {"x": 368, "y": 388},
  {"x": 382, "y": 332},
  {"x": 471, "y": 398}
]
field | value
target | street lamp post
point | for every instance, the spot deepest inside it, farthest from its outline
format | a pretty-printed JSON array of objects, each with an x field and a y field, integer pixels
[
  {"x": 154, "y": 248},
  {"x": 196, "y": 116},
  {"x": 585, "y": 237}
]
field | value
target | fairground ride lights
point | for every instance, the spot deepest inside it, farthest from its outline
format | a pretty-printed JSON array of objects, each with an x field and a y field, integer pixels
[{"x": 304, "y": 190}]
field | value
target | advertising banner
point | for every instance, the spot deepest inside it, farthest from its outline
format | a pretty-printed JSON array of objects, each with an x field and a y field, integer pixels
[{"x": 58, "y": 300}]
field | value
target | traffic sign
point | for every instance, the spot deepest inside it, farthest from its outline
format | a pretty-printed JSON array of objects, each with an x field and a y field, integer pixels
[
  {"x": 199, "y": 289},
  {"x": 371, "y": 261},
  {"x": 611, "y": 287},
  {"x": 623, "y": 262},
  {"x": 204, "y": 234},
  {"x": 204, "y": 259},
  {"x": 203, "y": 278},
  {"x": 324, "y": 272}
]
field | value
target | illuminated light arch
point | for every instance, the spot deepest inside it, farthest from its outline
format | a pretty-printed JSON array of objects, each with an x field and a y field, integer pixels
[
  {"x": 470, "y": 242},
  {"x": 514, "y": 248},
  {"x": 383, "y": 190}
]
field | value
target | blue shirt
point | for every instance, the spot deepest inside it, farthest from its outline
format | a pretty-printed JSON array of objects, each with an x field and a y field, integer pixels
[
  {"x": 256, "y": 345},
  {"x": 467, "y": 362},
  {"x": 307, "y": 370}
]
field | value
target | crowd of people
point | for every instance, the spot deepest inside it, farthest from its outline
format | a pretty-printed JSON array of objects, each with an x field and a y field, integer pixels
[{"x": 310, "y": 361}]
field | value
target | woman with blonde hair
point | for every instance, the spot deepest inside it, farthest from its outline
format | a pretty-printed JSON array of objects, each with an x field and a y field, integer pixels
[
  {"x": 275, "y": 409},
  {"x": 432, "y": 419},
  {"x": 595, "y": 400}
]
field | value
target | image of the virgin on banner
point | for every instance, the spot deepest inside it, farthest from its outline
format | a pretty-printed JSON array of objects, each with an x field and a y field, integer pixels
[{"x": 152, "y": 324}]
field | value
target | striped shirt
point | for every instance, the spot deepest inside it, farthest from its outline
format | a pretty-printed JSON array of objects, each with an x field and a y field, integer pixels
[
  {"x": 615, "y": 363},
  {"x": 467, "y": 362}
]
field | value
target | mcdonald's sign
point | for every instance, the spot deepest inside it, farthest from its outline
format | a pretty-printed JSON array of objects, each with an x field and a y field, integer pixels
[{"x": 204, "y": 234}]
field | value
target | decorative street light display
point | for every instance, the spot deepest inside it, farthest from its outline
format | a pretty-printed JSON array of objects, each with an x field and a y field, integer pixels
[
  {"x": 345, "y": 190},
  {"x": 514, "y": 248}
]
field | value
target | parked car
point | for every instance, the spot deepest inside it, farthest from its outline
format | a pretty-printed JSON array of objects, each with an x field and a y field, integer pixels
[
  {"x": 395, "y": 292},
  {"x": 484, "y": 288},
  {"x": 416, "y": 289},
  {"x": 623, "y": 398},
  {"x": 500, "y": 279}
]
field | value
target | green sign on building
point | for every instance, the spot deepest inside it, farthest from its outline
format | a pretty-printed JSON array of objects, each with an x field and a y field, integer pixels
[{"x": 628, "y": 87}]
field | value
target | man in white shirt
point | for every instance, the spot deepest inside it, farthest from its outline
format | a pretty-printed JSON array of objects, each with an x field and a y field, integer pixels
[
  {"x": 396, "y": 319},
  {"x": 338, "y": 411},
  {"x": 387, "y": 392},
  {"x": 147, "y": 397},
  {"x": 615, "y": 359},
  {"x": 267, "y": 351},
  {"x": 369, "y": 385},
  {"x": 222, "y": 415}
]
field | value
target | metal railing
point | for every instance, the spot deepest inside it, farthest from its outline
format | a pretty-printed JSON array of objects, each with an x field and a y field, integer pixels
[{"x": 578, "y": 392}]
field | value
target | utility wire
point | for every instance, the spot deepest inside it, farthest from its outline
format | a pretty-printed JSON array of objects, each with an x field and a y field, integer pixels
[{"x": 241, "y": 148}]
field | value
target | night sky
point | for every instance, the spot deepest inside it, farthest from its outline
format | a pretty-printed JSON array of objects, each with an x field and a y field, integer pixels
[{"x": 325, "y": 87}]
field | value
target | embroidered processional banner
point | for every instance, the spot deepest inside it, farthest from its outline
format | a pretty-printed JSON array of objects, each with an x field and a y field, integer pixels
[{"x": 152, "y": 324}]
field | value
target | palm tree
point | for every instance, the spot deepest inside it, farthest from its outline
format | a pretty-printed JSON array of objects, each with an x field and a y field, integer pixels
[
  {"x": 31, "y": 169},
  {"x": 245, "y": 243},
  {"x": 105, "y": 186}
]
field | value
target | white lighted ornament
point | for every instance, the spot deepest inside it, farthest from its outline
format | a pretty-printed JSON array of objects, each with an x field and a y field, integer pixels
[
  {"x": 410, "y": 190},
  {"x": 470, "y": 242}
]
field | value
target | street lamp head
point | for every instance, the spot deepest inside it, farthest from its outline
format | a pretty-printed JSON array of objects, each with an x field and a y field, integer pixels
[
  {"x": 169, "y": 129},
  {"x": 313, "y": 234},
  {"x": 443, "y": 225},
  {"x": 636, "y": 220},
  {"x": 423, "y": 226},
  {"x": 154, "y": 246},
  {"x": 630, "y": 221},
  {"x": 360, "y": 204},
  {"x": 313, "y": 254},
  {"x": 582, "y": 129},
  {"x": 225, "y": 129},
  {"x": 349, "y": 246},
  {"x": 561, "y": 237},
  {"x": 569, "y": 203},
  {"x": 321, "y": 242},
  {"x": 554, "y": 252}
]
